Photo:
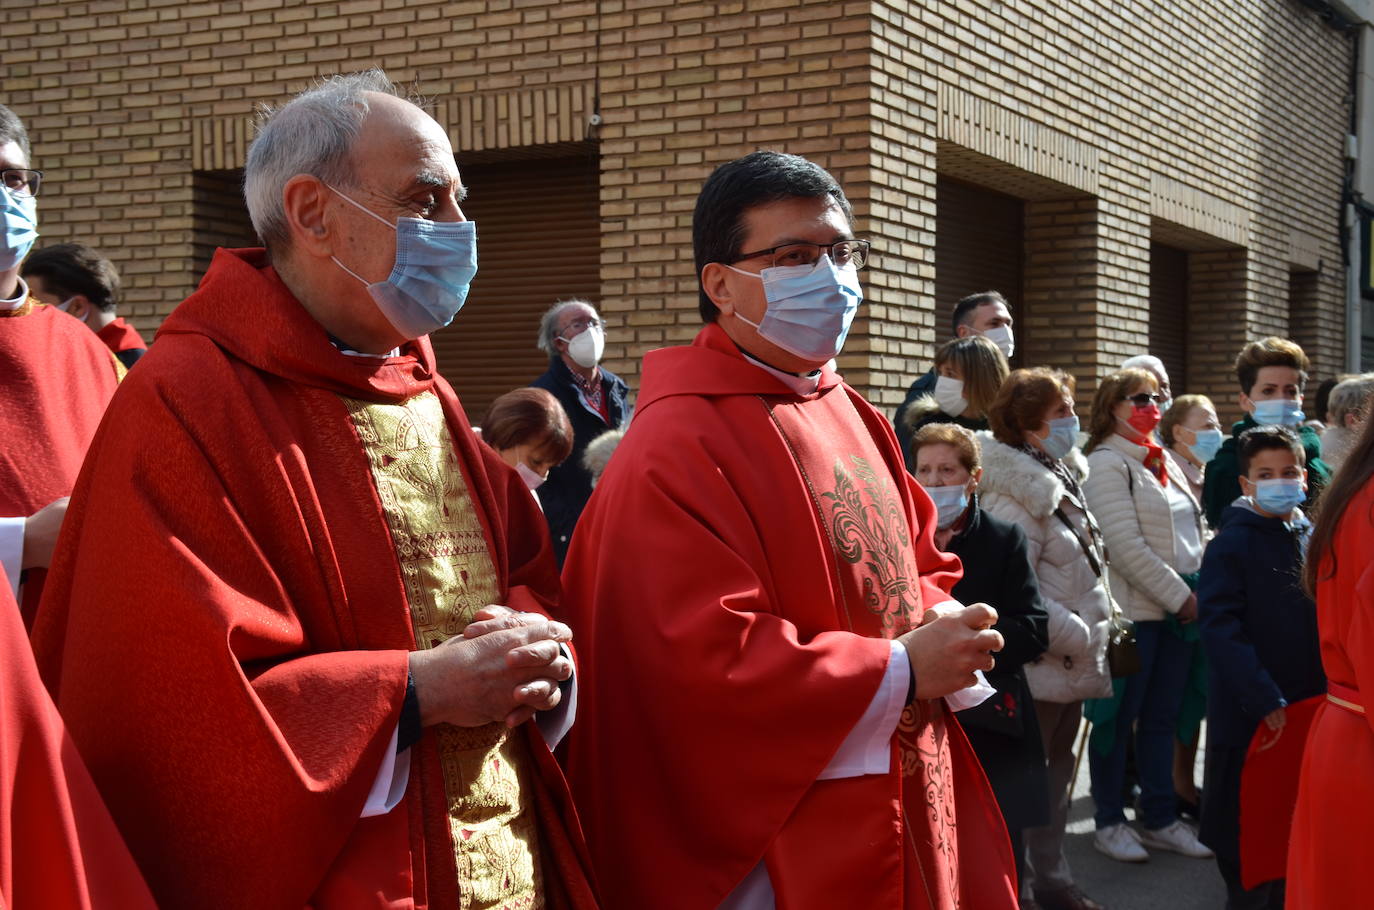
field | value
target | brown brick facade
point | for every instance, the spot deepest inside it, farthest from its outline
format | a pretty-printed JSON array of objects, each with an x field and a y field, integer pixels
[{"x": 1215, "y": 128}]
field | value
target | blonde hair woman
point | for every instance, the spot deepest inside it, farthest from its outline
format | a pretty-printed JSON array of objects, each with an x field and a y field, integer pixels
[{"x": 969, "y": 372}]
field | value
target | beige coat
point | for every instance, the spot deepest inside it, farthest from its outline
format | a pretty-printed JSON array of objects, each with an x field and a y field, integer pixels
[
  {"x": 1133, "y": 511},
  {"x": 1017, "y": 488}
]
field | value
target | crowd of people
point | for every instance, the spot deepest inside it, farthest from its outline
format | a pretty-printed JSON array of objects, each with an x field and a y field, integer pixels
[{"x": 288, "y": 630}]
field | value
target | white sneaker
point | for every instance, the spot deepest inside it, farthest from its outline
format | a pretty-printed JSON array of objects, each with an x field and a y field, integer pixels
[
  {"x": 1121, "y": 843},
  {"x": 1177, "y": 837}
]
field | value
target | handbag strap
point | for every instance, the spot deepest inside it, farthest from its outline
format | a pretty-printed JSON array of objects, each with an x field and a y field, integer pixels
[{"x": 1087, "y": 551}]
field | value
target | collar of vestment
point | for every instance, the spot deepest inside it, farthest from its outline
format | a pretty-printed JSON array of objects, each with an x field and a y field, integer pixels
[
  {"x": 712, "y": 366},
  {"x": 243, "y": 306}
]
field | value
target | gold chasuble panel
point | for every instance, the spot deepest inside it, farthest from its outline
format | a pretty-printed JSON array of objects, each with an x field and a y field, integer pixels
[{"x": 449, "y": 576}]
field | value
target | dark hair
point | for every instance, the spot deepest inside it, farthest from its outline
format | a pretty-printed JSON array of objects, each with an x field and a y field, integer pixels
[
  {"x": 734, "y": 188},
  {"x": 1262, "y": 439},
  {"x": 1023, "y": 401},
  {"x": 964, "y": 309},
  {"x": 1269, "y": 352},
  {"x": 529, "y": 416},
  {"x": 1336, "y": 497},
  {"x": 1322, "y": 399},
  {"x": 12, "y": 130},
  {"x": 68, "y": 269}
]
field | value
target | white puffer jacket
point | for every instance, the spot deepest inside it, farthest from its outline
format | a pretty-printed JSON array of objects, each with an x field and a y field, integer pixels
[
  {"x": 1019, "y": 489},
  {"x": 1133, "y": 512}
]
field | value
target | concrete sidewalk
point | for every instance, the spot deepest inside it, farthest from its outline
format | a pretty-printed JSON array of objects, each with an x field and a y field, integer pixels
[{"x": 1167, "y": 882}]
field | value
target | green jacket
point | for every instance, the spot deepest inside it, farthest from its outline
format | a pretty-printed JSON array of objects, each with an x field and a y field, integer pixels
[{"x": 1221, "y": 484}]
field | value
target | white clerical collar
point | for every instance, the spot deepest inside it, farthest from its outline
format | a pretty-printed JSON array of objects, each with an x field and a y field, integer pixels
[
  {"x": 15, "y": 303},
  {"x": 802, "y": 385},
  {"x": 349, "y": 352}
]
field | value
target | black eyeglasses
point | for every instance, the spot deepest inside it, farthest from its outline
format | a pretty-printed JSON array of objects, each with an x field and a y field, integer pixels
[
  {"x": 21, "y": 181},
  {"x": 842, "y": 252},
  {"x": 1143, "y": 400}
]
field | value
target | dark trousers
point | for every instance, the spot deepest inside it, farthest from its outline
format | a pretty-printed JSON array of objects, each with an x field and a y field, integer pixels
[
  {"x": 1152, "y": 697},
  {"x": 1268, "y": 896}
]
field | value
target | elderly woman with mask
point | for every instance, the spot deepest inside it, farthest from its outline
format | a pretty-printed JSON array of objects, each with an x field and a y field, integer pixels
[
  {"x": 1032, "y": 476},
  {"x": 1191, "y": 435},
  {"x": 530, "y": 431},
  {"x": 1003, "y": 730}
]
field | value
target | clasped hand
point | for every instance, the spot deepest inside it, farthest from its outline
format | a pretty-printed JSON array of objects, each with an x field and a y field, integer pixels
[
  {"x": 504, "y": 667},
  {"x": 945, "y": 650}
]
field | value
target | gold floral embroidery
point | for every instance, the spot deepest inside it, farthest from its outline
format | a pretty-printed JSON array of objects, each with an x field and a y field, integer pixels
[
  {"x": 868, "y": 526},
  {"x": 923, "y": 744},
  {"x": 449, "y": 576}
]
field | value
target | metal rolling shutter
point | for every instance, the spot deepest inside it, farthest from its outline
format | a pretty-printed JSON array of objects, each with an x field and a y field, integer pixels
[
  {"x": 978, "y": 247},
  {"x": 538, "y": 240},
  {"x": 1169, "y": 311}
]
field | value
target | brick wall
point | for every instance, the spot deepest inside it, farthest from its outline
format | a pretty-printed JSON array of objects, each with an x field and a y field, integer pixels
[{"x": 1222, "y": 124}]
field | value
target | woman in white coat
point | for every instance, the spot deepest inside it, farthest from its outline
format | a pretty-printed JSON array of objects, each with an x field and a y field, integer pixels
[
  {"x": 1153, "y": 526},
  {"x": 1031, "y": 477}
]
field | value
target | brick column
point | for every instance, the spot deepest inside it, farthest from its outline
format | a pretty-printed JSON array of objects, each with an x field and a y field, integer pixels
[{"x": 1217, "y": 327}]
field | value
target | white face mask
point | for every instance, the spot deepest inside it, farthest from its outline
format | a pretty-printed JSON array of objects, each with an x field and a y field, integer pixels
[
  {"x": 1003, "y": 338},
  {"x": 949, "y": 395},
  {"x": 587, "y": 347},
  {"x": 531, "y": 479}
]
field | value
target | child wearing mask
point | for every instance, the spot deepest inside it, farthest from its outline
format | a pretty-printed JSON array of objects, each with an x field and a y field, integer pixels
[
  {"x": 1259, "y": 629},
  {"x": 1272, "y": 374}
]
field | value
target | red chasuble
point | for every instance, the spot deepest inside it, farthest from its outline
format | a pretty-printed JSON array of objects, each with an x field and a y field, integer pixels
[
  {"x": 1268, "y": 790},
  {"x": 120, "y": 336},
  {"x": 55, "y": 380},
  {"x": 226, "y": 626},
  {"x": 58, "y": 847},
  {"x": 733, "y": 584},
  {"x": 1331, "y": 849}
]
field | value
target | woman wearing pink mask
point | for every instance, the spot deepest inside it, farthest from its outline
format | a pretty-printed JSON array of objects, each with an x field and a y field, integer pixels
[
  {"x": 529, "y": 429},
  {"x": 1153, "y": 529}
]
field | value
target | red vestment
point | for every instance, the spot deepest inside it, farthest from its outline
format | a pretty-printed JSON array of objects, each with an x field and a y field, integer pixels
[
  {"x": 1268, "y": 792},
  {"x": 226, "y": 629},
  {"x": 732, "y": 584},
  {"x": 120, "y": 336},
  {"x": 1332, "y": 843},
  {"x": 59, "y": 848},
  {"x": 56, "y": 379}
]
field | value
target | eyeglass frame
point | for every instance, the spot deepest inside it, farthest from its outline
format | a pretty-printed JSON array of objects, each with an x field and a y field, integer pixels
[
  {"x": 1155, "y": 399},
  {"x": 583, "y": 324},
  {"x": 33, "y": 186},
  {"x": 865, "y": 245}
]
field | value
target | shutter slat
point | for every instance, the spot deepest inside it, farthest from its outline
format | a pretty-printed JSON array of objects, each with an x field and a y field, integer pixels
[
  {"x": 978, "y": 247},
  {"x": 538, "y": 240}
]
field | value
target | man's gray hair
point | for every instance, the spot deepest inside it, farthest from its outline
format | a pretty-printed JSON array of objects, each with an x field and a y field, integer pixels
[
  {"x": 1145, "y": 362},
  {"x": 1350, "y": 396},
  {"x": 548, "y": 323},
  {"x": 12, "y": 130},
  {"x": 310, "y": 134}
]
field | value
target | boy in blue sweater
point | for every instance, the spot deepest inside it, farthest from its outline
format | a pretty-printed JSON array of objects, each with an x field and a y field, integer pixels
[{"x": 1259, "y": 629}]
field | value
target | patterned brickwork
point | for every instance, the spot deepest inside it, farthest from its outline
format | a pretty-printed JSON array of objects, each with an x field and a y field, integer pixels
[{"x": 1222, "y": 124}]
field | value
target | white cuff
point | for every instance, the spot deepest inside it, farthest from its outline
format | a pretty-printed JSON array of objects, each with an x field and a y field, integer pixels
[
  {"x": 868, "y": 747},
  {"x": 972, "y": 696},
  {"x": 12, "y": 550},
  {"x": 554, "y": 724},
  {"x": 392, "y": 778}
]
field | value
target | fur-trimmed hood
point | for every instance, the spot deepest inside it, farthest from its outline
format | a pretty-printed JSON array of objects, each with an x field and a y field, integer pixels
[
  {"x": 1013, "y": 473},
  {"x": 919, "y": 409}
]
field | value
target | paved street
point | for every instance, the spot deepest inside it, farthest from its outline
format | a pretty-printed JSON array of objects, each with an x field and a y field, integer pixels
[{"x": 1167, "y": 882}]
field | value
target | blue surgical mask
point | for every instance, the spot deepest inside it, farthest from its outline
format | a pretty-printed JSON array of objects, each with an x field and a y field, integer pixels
[
  {"x": 435, "y": 265},
  {"x": 810, "y": 307},
  {"x": 1207, "y": 443},
  {"x": 1063, "y": 436},
  {"x": 950, "y": 503},
  {"x": 20, "y": 217},
  {"x": 1283, "y": 412},
  {"x": 1279, "y": 496}
]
